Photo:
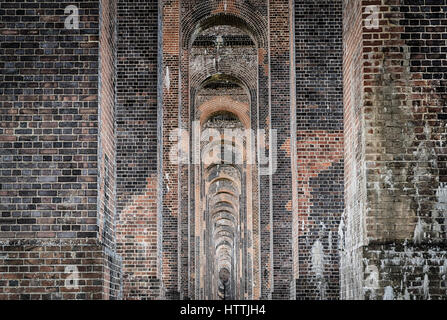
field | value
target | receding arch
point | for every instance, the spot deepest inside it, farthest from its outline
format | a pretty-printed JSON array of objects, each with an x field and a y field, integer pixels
[
  {"x": 246, "y": 76},
  {"x": 225, "y": 103},
  {"x": 228, "y": 192},
  {"x": 224, "y": 179},
  {"x": 242, "y": 16},
  {"x": 215, "y": 79}
]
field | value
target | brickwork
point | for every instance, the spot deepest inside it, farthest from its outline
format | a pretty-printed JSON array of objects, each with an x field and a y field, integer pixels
[
  {"x": 318, "y": 38},
  {"x": 107, "y": 132},
  {"x": 205, "y": 67},
  {"x": 49, "y": 150},
  {"x": 49, "y": 106},
  {"x": 280, "y": 99},
  {"x": 136, "y": 130},
  {"x": 351, "y": 95},
  {"x": 107, "y": 151},
  {"x": 352, "y": 229},
  {"x": 401, "y": 212},
  {"x": 171, "y": 114},
  {"x": 55, "y": 270},
  {"x": 137, "y": 236}
]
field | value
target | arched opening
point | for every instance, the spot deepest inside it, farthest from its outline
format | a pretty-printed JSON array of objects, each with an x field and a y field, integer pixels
[
  {"x": 219, "y": 224},
  {"x": 222, "y": 68}
]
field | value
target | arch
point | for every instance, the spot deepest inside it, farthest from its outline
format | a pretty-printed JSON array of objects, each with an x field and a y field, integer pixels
[
  {"x": 223, "y": 223},
  {"x": 216, "y": 211},
  {"x": 222, "y": 191},
  {"x": 225, "y": 178},
  {"x": 215, "y": 171},
  {"x": 229, "y": 85},
  {"x": 239, "y": 14},
  {"x": 215, "y": 199},
  {"x": 223, "y": 215},
  {"x": 223, "y": 228},
  {"x": 230, "y": 147},
  {"x": 221, "y": 77},
  {"x": 225, "y": 103},
  {"x": 214, "y": 189},
  {"x": 224, "y": 242},
  {"x": 225, "y": 204},
  {"x": 247, "y": 76},
  {"x": 224, "y": 233}
]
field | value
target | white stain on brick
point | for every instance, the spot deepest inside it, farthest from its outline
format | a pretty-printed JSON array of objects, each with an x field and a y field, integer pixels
[
  {"x": 441, "y": 194},
  {"x": 426, "y": 287},
  {"x": 389, "y": 293},
  {"x": 167, "y": 79},
  {"x": 419, "y": 232},
  {"x": 318, "y": 259},
  {"x": 330, "y": 240},
  {"x": 389, "y": 179},
  {"x": 443, "y": 269},
  {"x": 407, "y": 295},
  {"x": 372, "y": 280}
]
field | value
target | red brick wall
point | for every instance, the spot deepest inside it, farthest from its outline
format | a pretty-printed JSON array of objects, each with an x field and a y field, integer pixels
[
  {"x": 88, "y": 190},
  {"x": 137, "y": 149},
  {"x": 320, "y": 143},
  {"x": 137, "y": 238},
  {"x": 198, "y": 16}
]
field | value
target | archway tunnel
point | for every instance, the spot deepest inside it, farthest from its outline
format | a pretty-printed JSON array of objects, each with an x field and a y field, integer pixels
[{"x": 223, "y": 72}]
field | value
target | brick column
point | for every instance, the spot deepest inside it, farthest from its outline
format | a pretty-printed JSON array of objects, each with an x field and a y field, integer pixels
[
  {"x": 396, "y": 178},
  {"x": 262, "y": 121},
  {"x": 279, "y": 45},
  {"x": 319, "y": 156},
  {"x": 136, "y": 125},
  {"x": 171, "y": 65}
]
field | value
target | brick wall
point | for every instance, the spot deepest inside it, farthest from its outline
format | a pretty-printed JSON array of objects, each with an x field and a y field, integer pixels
[
  {"x": 107, "y": 139},
  {"x": 107, "y": 149},
  {"x": 49, "y": 154},
  {"x": 136, "y": 132},
  {"x": 50, "y": 121},
  {"x": 402, "y": 212},
  {"x": 352, "y": 228},
  {"x": 93, "y": 208},
  {"x": 51, "y": 270},
  {"x": 196, "y": 17},
  {"x": 319, "y": 117},
  {"x": 281, "y": 180}
]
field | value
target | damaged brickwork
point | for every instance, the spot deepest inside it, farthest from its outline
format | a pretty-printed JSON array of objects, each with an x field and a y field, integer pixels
[{"x": 394, "y": 233}]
